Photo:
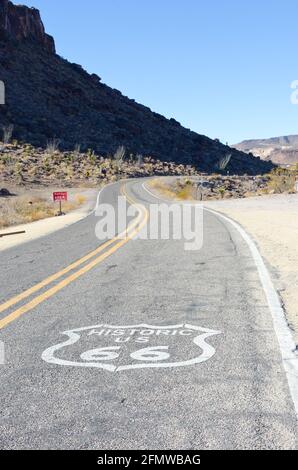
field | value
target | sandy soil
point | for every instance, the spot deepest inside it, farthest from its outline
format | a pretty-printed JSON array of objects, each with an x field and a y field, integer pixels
[
  {"x": 46, "y": 226},
  {"x": 272, "y": 221}
]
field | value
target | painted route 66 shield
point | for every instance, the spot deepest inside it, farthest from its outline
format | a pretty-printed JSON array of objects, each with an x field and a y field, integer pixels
[{"x": 119, "y": 348}]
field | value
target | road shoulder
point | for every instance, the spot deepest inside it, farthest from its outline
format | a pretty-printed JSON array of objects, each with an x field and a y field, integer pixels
[
  {"x": 272, "y": 221},
  {"x": 41, "y": 228}
]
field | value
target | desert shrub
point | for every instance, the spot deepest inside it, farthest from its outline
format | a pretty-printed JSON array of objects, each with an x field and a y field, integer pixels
[
  {"x": 7, "y": 133},
  {"x": 185, "y": 193},
  {"x": 91, "y": 156},
  {"x": 119, "y": 155},
  {"x": 222, "y": 192},
  {"x": 282, "y": 181},
  {"x": 184, "y": 189},
  {"x": 161, "y": 187},
  {"x": 139, "y": 160},
  {"x": 5, "y": 159},
  {"x": 224, "y": 162},
  {"x": 53, "y": 146},
  {"x": 77, "y": 149},
  {"x": 80, "y": 199}
]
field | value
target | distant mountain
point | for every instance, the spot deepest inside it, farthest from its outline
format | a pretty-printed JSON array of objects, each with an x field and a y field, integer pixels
[
  {"x": 47, "y": 97},
  {"x": 281, "y": 150}
]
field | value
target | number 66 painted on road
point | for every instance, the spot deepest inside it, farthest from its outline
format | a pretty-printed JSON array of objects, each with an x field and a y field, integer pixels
[
  {"x": 109, "y": 354},
  {"x": 150, "y": 357}
]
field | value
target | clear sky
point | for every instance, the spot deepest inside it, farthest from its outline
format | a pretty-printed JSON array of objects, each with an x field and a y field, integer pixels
[{"x": 220, "y": 67}]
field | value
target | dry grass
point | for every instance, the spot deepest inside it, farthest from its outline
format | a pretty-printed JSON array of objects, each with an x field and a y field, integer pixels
[
  {"x": 186, "y": 193},
  {"x": 80, "y": 199},
  {"x": 162, "y": 188},
  {"x": 282, "y": 181},
  {"x": 25, "y": 209},
  {"x": 217, "y": 187},
  {"x": 182, "y": 189}
]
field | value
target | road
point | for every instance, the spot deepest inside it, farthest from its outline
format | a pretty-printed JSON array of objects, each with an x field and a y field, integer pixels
[{"x": 215, "y": 379}]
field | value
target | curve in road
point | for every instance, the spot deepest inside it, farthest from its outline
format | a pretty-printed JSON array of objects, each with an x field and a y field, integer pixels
[{"x": 150, "y": 303}]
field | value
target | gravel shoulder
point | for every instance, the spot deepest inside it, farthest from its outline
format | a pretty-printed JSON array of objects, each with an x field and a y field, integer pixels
[{"x": 273, "y": 223}]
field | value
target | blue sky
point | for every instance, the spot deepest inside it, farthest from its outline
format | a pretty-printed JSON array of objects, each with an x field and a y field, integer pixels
[{"x": 220, "y": 67}]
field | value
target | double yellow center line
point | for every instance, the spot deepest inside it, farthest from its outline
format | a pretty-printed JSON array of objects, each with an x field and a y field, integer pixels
[{"x": 115, "y": 244}]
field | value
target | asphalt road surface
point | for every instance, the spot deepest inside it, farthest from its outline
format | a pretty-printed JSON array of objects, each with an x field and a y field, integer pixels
[{"x": 166, "y": 348}]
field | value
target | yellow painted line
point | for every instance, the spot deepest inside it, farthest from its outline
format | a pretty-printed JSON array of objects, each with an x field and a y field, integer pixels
[
  {"x": 54, "y": 277},
  {"x": 65, "y": 282}
]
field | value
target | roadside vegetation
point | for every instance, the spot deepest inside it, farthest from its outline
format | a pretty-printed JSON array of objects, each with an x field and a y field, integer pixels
[
  {"x": 21, "y": 209},
  {"x": 283, "y": 180},
  {"x": 24, "y": 164},
  {"x": 29, "y": 169},
  {"x": 181, "y": 189},
  {"x": 218, "y": 187}
]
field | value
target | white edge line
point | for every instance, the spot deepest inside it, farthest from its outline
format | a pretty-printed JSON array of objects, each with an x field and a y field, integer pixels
[
  {"x": 105, "y": 187},
  {"x": 100, "y": 192},
  {"x": 282, "y": 330},
  {"x": 144, "y": 186},
  {"x": 151, "y": 194}
]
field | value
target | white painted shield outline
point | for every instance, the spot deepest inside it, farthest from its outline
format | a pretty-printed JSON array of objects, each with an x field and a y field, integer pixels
[{"x": 74, "y": 337}]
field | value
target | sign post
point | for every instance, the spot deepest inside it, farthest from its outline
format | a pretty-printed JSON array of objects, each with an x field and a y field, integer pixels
[{"x": 60, "y": 196}]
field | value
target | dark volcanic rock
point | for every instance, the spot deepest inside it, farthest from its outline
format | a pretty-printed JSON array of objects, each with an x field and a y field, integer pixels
[
  {"x": 19, "y": 22},
  {"x": 47, "y": 97},
  {"x": 5, "y": 192}
]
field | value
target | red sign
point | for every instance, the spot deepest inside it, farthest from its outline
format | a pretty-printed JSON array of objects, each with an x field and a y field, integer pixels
[{"x": 62, "y": 196}]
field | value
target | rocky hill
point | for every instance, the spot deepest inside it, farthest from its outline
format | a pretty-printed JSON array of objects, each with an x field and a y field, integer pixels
[
  {"x": 47, "y": 97},
  {"x": 281, "y": 150}
]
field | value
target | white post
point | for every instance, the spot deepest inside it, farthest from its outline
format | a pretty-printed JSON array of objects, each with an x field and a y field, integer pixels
[{"x": 2, "y": 92}]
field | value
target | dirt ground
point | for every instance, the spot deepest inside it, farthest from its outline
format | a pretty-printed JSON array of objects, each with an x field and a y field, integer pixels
[
  {"x": 25, "y": 204},
  {"x": 37, "y": 219},
  {"x": 272, "y": 221}
]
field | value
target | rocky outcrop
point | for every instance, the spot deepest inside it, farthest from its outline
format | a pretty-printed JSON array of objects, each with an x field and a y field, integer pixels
[
  {"x": 26, "y": 165},
  {"x": 47, "y": 97},
  {"x": 19, "y": 22}
]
